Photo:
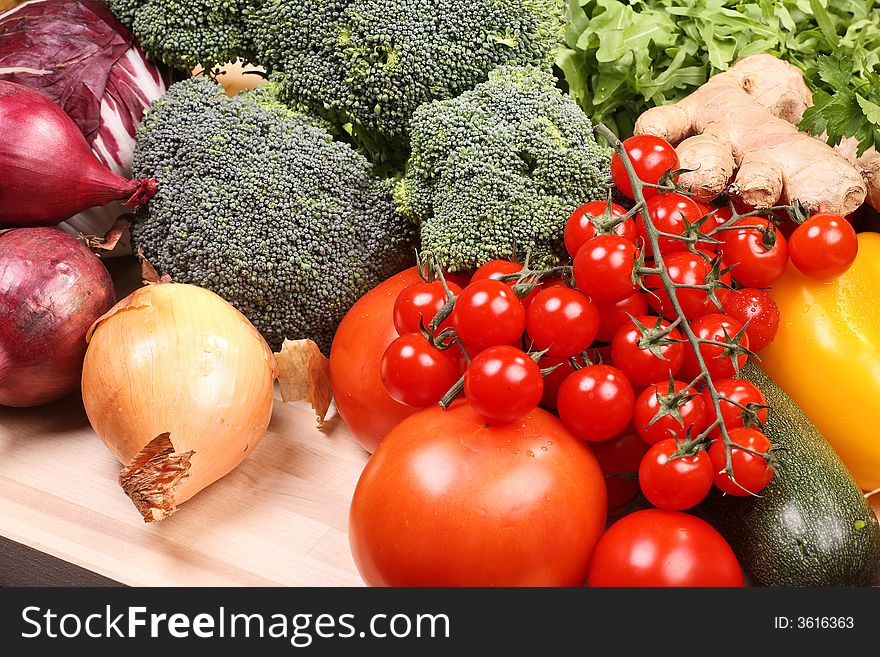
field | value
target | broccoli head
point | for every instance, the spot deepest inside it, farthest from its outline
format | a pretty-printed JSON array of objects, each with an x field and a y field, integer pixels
[
  {"x": 257, "y": 203},
  {"x": 496, "y": 172},
  {"x": 186, "y": 33},
  {"x": 371, "y": 63}
]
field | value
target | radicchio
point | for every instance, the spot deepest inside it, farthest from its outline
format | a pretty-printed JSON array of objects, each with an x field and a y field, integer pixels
[{"x": 79, "y": 55}]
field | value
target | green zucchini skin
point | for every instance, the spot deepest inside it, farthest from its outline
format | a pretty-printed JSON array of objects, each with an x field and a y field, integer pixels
[{"x": 811, "y": 526}]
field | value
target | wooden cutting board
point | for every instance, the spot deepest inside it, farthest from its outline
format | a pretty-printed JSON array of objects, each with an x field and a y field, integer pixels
[{"x": 280, "y": 518}]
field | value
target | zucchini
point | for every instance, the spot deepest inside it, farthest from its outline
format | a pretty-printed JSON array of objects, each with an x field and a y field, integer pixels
[{"x": 811, "y": 526}]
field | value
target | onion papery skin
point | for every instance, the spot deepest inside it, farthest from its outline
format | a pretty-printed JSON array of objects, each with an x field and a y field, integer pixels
[
  {"x": 52, "y": 288},
  {"x": 179, "y": 386},
  {"x": 48, "y": 173}
]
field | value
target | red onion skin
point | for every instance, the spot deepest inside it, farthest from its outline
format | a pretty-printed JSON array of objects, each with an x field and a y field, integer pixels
[
  {"x": 48, "y": 172},
  {"x": 52, "y": 289}
]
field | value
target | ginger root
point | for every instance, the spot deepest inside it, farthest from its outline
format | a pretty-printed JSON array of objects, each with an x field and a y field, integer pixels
[{"x": 737, "y": 132}]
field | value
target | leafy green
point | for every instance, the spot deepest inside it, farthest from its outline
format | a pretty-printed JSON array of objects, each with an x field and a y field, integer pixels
[
  {"x": 624, "y": 56},
  {"x": 851, "y": 110}
]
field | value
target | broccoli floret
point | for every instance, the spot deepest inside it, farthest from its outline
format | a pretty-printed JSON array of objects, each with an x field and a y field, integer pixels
[
  {"x": 257, "y": 203},
  {"x": 371, "y": 63},
  {"x": 186, "y": 33},
  {"x": 497, "y": 171}
]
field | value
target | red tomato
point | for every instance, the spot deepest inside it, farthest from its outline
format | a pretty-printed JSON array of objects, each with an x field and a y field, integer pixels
[
  {"x": 562, "y": 321},
  {"x": 668, "y": 213},
  {"x": 503, "y": 384},
  {"x": 758, "y": 261},
  {"x": 448, "y": 501},
  {"x": 417, "y": 373},
  {"x": 581, "y": 226},
  {"x": 719, "y": 359},
  {"x": 685, "y": 268},
  {"x": 495, "y": 269},
  {"x": 620, "y": 456},
  {"x": 365, "y": 332},
  {"x": 631, "y": 351},
  {"x": 752, "y": 473},
  {"x": 603, "y": 268},
  {"x": 675, "y": 484},
  {"x": 759, "y": 309},
  {"x": 553, "y": 380},
  {"x": 824, "y": 246},
  {"x": 487, "y": 313},
  {"x": 737, "y": 390},
  {"x": 651, "y": 158},
  {"x": 654, "y": 547},
  {"x": 613, "y": 315},
  {"x": 596, "y": 402},
  {"x": 657, "y": 396},
  {"x": 420, "y": 302}
]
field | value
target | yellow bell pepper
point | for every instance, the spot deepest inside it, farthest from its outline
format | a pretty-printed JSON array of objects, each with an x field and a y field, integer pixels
[{"x": 826, "y": 356}]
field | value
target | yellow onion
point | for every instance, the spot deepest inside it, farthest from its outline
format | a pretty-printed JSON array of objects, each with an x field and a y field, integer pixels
[{"x": 179, "y": 386}]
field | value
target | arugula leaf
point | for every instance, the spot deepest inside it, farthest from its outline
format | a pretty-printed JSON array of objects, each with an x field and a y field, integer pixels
[{"x": 625, "y": 56}]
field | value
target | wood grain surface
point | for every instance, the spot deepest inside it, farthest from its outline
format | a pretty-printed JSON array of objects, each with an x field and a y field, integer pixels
[{"x": 279, "y": 519}]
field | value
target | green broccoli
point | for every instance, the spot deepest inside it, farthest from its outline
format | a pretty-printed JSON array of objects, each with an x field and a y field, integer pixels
[
  {"x": 186, "y": 33},
  {"x": 497, "y": 171},
  {"x": 371, "y": 63},
  {"x": 257, "y": 203}
]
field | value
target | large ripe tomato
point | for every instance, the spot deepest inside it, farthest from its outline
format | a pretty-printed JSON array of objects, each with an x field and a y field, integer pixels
[
  {"x": 448, "y": 501},
  {"x": 663, "y": 548},
  {"x": 355, "y": 357}
]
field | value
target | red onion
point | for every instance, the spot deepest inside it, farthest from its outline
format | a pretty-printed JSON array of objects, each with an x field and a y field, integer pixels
[
  {"x": 49, "y": 173},
  {"x": 52, "y": 289},
  {"x": 77, "y": 54}
]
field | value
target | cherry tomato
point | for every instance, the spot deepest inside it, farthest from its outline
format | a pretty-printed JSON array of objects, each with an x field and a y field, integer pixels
[
  {"x": 675, "y": 484},
  {"x": 620, "y": 456},
  {"x": 580, "y": 227},
  {"x": 740, "y": 391},
  {"x": 488, "y": 313},
  {"x": 562, "y": 321},
  {"x": 448, "y": 501},
  {"x": 503, "y": 384},
  {"x": 417, "y": 373},
  {"x": 460, "y": 278},
  {"x": 553, "y": 380},
  {"x": 752, "y": 473},
  {"x": 719, "y": 361},
  {"x": 685, "y": 268},
  {"x": 651, "y": 158},
  {"x": 824, "y": 246},
  {"x": 657, "y": 396},
  {"x": 495, "y": 269},
  {"x": 365, "y": 332},
  {"x": 668, "y": 213},
  {"x": 420, "y": 302},
  {"x": 613, "y": 315},
  {"x": 596, "y": 402},
  {"x": 654, "y": 547},
  {"x": 631, "y": 351},
  {"x": 603, "y": 268},
  {"x": 759, "y": 309},
  {"x": 758, "y": 261}
]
